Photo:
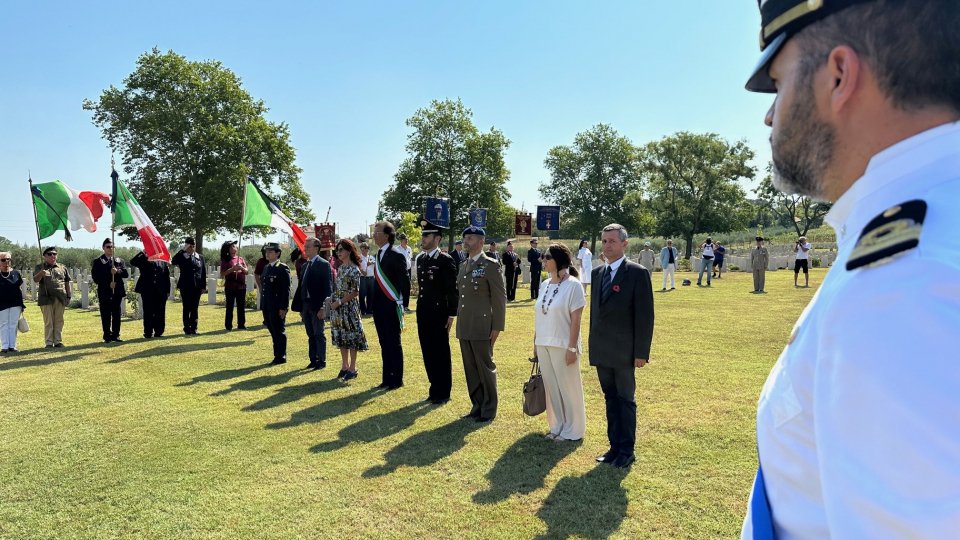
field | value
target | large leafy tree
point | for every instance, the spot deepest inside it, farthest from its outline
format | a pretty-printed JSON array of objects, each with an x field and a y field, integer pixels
[
  {"x": 449, "y": 157},
  {"x": 189, "y": 134},
  {"x": 590, "y": 178},
  {"x": 694, "y": 185},
  {"x": 797, "y": 211}
]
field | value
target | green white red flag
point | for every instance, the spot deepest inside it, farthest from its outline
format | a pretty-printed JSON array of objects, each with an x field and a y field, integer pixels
[
  {"x": 128, "y": 213},
  {"x": 259, "y": 210}
]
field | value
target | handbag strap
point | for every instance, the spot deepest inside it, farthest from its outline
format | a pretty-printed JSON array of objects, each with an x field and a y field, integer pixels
[{"x": 535, "y": 369}]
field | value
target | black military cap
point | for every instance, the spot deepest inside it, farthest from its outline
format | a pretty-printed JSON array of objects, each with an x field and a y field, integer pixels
[
  {"x": 189, "y": 241},
  {"x": 759, "y": 239},
  {"x": 106, "y": 243},
  {"x": 458, "y": 243},
  {"x": 50, "y": 251},
  {"x": 473, "y": 229},
  {"x": 780, "y": 19},
  {"x": 428, "y": 227},
  {"x": 272, "y": 246},
  {"x": 533, "y": 240}
]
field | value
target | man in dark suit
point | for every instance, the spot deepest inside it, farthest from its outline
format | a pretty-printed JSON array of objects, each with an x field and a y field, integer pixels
[
  {"x": 536, "y": 267},
  {"x": 108, "y": 273},
  {"x": 274, "y": 301},
  {"x": 436, "y": 309},
  {"x": 153, "y": 286},
  {"x": 621, "y": 331},
  {"x": 391, "y": 278},
  {"x": 511, "y": 271},
  {"x": 458, "y": 255},
  {"x": 193, "y": 279},
  {"x": 315, "y": 287},
  {"x": 493, "y": 253}
]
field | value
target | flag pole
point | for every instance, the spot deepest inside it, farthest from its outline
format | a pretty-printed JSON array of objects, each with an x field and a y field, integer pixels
[
  {"x": 113, "y": 221},
  {"x": 243, "y": 211},
  {"x": 36, "y": 221}
]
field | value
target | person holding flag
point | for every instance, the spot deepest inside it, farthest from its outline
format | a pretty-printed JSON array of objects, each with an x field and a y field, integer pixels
[
  {"x": 153, "y": 285},
  {"x": 390, "y": 273},
  {"x": 108, "y": 272},
  {"x": 53, "y": 296}
]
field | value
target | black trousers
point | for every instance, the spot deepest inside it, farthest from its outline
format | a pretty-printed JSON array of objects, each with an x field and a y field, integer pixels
[
  {"x": 191, "y": 303},
  {"x": 154, "y": 314},
  {"x": 278, "y": 331},
  {"x": 110, "y": 315},
  {"x": 316, "y": 338},
  {"x": 619, "y": 387},
  {"x": 366, "y": 293},
  {"x": 435, "y": 344},
  {"x": 238, "y": 298},
  {"x": 535, "y": 283},
  {"x": 406, "y": 291},
  {"x": 511, "y": 282},
  {"x": 391, "y": 350}
]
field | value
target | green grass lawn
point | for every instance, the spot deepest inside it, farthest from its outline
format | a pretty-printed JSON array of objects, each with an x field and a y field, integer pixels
[{"x": 196, "y": 437}]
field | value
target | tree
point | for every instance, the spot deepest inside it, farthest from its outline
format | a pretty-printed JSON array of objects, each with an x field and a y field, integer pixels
[
  {"x": 590, "y": 179},
  {"x": 189, "y": 135},
  {"x": 799, "y": 211},
  {"x": 693, "y": 185},
  {"x": 450, "y": 157}
]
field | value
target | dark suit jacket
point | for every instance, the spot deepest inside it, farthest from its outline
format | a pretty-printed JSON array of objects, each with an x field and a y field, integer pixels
[
  {"x": 154, "y": 277},
  {"x": 394, "y": 266},
  {"x": 511, "y": 262},
  {"x": 275, "y": 292},
  {"x": 621, "y": 329},
  {"x": 317, "y": 282},
  {"x": 193, "y": 272},
  {"x": 100, "y": 272}
]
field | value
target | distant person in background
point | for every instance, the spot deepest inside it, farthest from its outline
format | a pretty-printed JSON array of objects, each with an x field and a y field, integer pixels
[
  {"x": 646, "y": 257},
  {"x": 534, "y": 256},
  {"x": 367, "y": 281},
  {"x": 802, "y": 249},
  {"x": 759, "y": 259},
  {"x": 346, "y": 327},
  {"x": 494, "y": 254},
  {"x": 668, "y": 261},
  {"x": 706, "y": 261},
  {"x": 407, "y": 252},
  {"x": 233, "y": 272},
  {"x": 193, "y": 279},
  {"x": 718, "y": 253},
  {"x": 258, "y": 270},
  {"x": 11, "y": 303},
  {"x": 585, "y": 258},
  {"x": 458, "y": 255},
  {"x": 511, "y": 271},
  {"x": 53, "y": 295},
  {"x": 108, "y": 272},
  {"x": 557, "y": 345},
  {"x": 153, "y": 286}
]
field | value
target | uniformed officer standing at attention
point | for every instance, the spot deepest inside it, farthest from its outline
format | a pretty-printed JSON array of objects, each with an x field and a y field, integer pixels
[
  {"x": 858, "y": 424},
  {"x": 759, "y": 259},
  {"x": 436, "y": 309},
  {"x": 108, "y": 273},
  {"x": 275, "y": 300},
  {"x": 153, "y": 285},
  {"x": 480, "y": 319},
  {"x": 534, "y": 256},
  {"x": 193, "y": 279}
]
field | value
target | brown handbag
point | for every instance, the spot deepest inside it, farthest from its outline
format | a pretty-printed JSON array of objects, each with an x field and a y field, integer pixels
[{"x": 534, "y": 396}]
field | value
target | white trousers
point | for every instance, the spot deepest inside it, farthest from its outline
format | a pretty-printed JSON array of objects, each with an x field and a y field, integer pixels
[
  {"x": 8, "y": 327},
  {"x": 566, "y": 414},
  {"x": 669, "y": 270}
]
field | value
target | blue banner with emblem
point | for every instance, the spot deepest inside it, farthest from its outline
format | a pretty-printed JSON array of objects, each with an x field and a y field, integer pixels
[
  {"x": 437, "y": 210},
  {"x": 548, "y": 218},
  {"x": 478, "y": 217}
]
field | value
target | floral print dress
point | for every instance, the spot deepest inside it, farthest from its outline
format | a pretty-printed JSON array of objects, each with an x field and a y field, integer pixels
[{"x": 346, "y": 326}]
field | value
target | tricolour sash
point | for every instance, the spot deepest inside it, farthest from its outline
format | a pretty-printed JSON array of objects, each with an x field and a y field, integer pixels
[{"x": 388, "y": 289}]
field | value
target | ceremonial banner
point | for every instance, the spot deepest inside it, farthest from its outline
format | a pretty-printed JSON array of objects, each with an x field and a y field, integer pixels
[
  {"x": 128, "y": 213},
  {"x": 478, "y": 217},
  {"x": 523, "y": 224},
  {"x": 327, "y": 234},
  {"x": 260, "y": 211},
  {"x": 548, "y": 218},
  {"x": 437, "y": 210},
  {"x": 61, "y": 207}
]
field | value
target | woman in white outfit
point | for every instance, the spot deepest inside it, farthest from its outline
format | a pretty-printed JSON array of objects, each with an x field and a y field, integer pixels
[
  {"x": 586, "y": 264},
  {"x": 11, "y": 304},
  {"x": 557, "y": 344}
]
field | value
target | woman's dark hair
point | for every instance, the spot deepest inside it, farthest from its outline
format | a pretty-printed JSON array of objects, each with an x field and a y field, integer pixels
[
  {"x": 561, "y": 257},
  {"x": 225, "y": 251},
  {"x": 295, "y": 254},
  {"x": 347, "y": 244},
  {"x": 582, "y": 243}
]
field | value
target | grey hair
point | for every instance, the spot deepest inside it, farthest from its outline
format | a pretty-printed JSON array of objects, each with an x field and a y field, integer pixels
[
  {"x": 313, "y": 241},
  {"x": 617, "y": 227},
  {"x": 5, "y": 255}
]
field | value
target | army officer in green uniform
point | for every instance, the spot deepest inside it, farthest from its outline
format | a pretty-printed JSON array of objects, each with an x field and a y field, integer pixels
[
  {"x": 480, "y": 319},
  {"x": 275, "y": 299}
]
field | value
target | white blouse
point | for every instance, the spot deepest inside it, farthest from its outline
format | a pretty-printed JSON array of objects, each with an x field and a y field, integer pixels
[{"x": 559, "y": 300}]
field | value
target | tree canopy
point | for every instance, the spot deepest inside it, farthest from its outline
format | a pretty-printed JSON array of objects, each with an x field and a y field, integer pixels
[
  {"x": 797, "y": 211},
  {"x": 189, "y": 134}
]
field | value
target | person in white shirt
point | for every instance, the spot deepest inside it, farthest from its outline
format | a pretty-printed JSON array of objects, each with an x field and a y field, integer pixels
[
  {"x": 858, "y": 424},
  {"x": 802, "y": 249},
  {"x": 557, "y": 344},
  {"x": 706, "y": 261},
  {"x": 407, "y": 251},
  {"x": 367, "y": 281},
  {"x": 585, "y": 257}
]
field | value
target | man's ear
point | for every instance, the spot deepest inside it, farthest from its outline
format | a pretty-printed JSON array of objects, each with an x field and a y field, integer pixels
[{"x": 844, "y": 76}]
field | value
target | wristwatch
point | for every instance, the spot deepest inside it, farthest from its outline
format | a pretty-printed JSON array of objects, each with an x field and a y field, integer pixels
[{"x": 572, "y": 349}]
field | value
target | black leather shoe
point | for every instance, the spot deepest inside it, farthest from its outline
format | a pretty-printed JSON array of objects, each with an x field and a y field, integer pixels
[
  {"x": 381, "y": 386},
  {"x": 117, "y": 340},
  {"x": 440, "y": 401},
  {"x": 393, "y": 387},
  {"x": 608, "y": 457},
  {"x": 278, "y": 361},
  {"x": 59, "y": 345},
  {"x": 341, "y": 374},
  {"x": 622, "y": 462},
  {"x": 471, "y": 415}
]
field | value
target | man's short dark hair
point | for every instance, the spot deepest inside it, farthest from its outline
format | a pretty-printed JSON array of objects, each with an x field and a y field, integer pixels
[{"x": 911, "y": 46}]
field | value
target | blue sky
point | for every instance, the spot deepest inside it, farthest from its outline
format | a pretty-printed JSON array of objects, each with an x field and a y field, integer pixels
[{"x": 345, "y": 76}]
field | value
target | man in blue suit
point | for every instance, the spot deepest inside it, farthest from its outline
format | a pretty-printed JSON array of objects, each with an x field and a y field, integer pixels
[{"x": 315, "y": 287}]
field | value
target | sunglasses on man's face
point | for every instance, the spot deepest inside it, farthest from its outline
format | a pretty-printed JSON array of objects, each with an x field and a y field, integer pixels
[{"x": 4, "y": 260}]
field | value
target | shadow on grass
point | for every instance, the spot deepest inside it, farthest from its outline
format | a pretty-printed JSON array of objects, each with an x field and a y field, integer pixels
[
  {"x": 376, "y": 427},
  {"x": 179, "y": 349},
  {"x": 20, "y": 364},
  {"x": 287, "y": 394},
  {"x": 223, "y": 375},
  {"x": 259, "y": 383},
  {"x": 600, "y": 491},
  {"x": 426, "y": 448},
  {"x": 523, "y": 467},
  {"x": 322, "y": 411}
]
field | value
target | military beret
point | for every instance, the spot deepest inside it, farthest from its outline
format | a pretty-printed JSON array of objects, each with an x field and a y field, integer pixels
[
  {"x": 780, "y": 19},
  {"x": 473, "y": 229},
  {"x": 272, "y": 246}
]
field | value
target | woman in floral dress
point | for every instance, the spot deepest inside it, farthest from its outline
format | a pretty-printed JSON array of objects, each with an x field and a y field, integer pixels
[{"x": 346, "y": 326}]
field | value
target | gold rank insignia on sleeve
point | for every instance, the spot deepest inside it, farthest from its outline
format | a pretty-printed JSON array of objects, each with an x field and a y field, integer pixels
[{"x": 892, "y": 233}]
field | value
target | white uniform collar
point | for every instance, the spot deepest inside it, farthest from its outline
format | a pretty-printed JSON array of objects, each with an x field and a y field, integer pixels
[
  {"x": 867, "y": 196},
  {"x": 433, "y": 253}
]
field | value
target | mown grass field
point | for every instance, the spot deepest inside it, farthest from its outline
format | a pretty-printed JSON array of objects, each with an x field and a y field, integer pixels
[{"x": 196, "y": 437}]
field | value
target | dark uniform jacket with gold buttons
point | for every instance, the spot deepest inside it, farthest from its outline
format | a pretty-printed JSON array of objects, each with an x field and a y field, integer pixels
[
  {"x": 437, "y": 279},
  {"x": 275, "y": 286}
]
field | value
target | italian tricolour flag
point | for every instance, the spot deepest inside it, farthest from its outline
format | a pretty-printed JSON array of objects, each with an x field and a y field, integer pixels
[
  {"x": 128, "y": 213},
  {"x": 60, "y": 207},
  {"x": 259, "y": 210}
]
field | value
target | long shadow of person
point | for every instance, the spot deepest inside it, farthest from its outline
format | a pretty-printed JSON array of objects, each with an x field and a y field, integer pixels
[
  {"x": 260, "y": 382},
  {"x": 588, "y": 506},
  {"x": 523, "y": 467},
  {"x": 37, "y": 362},
  {"x": 426, "y": 448},
  {"x": 323, "y": 411},
  {"x": 173, "y": 350},
  {"x": 283, "y": 395},
  {"x": 375, "y": 427},
  {"x": 223, "y": 375}
]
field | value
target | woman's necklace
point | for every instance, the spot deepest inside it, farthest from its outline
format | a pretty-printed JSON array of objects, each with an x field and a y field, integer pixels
[
  {"x": 545, "y": 306},
  {"x": 6, "y": 277}
]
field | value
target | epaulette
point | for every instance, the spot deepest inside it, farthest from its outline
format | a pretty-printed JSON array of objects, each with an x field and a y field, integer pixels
[{"x": 890, "y": 234}]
